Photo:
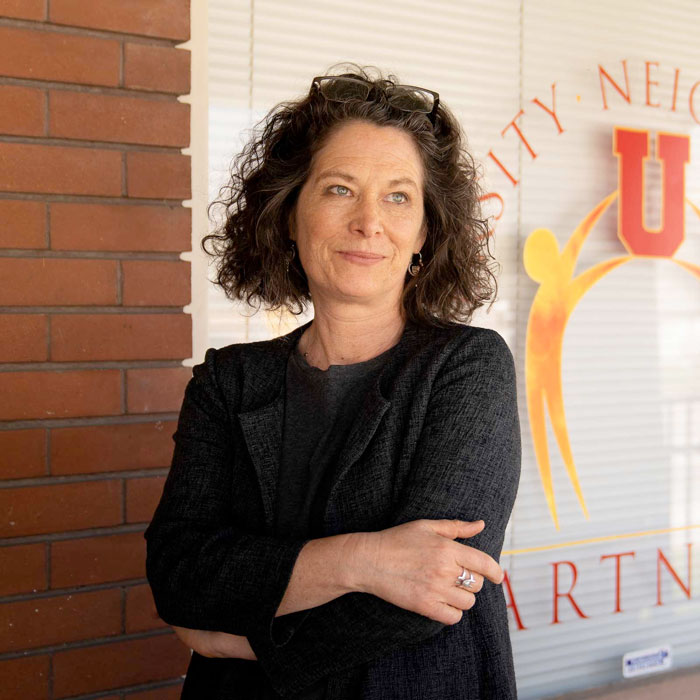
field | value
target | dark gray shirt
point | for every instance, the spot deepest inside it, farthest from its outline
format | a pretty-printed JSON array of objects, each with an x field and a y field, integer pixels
[{"x": 319, "y": 405}]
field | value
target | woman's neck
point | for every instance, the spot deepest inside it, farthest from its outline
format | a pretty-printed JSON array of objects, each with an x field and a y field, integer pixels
[{"x": 341, "y": 341}]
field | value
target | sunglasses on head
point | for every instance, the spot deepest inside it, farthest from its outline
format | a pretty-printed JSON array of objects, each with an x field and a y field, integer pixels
[{"x": 408, "y": 98}]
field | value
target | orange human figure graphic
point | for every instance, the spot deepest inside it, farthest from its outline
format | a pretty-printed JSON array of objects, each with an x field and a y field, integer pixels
[
  {"x": 558, "y": 294},
  {"x": 695, "y": 269},
  {"x": 691, "y": 267},
  {"x": 695, "y": 208}
]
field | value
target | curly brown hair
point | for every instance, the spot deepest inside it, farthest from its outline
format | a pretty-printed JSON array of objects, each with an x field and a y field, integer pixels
[{"x": 252, "y": 245}]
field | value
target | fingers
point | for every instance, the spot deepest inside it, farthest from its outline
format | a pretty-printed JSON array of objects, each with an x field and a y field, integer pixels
[
  {"x": 464, "y": 598},
  {"x": 456, "y": 528},
  {"x": 474, "y": 587},
  {"x": 482, "y": 563},
  {"x": 468, "y": 527},
  {"x": 485, "y": 564},
  {"x": 425, "y": 554},
  {"x": 450, "y": 610},
  {"x": 479, "y": 561},
  {"x": 445, "y": 613}
]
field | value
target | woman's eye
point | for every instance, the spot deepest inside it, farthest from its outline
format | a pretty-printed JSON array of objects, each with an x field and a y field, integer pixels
[
  {"x": 340, "y": 189},
  {"x": 398, "y": 197}
]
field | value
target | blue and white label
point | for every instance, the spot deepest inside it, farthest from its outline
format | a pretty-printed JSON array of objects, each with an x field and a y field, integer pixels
[{"x": 643, "y": 661}]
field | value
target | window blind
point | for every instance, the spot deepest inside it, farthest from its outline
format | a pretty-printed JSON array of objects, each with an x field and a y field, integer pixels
[{"x": 630, "y": 363}]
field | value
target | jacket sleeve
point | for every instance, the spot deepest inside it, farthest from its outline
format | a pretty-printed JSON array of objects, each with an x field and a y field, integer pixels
[
  {"x": 204, "y": 571},
  {"x": 466, "y": 467}
]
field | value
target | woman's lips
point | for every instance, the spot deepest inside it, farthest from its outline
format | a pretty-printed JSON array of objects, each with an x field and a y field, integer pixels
[{"x": 362, "y": 258}]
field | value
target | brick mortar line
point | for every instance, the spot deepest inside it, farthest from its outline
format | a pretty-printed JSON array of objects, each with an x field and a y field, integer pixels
[
  {"x": 109, "y": 90},
  {"x": 120, "y": 692},
  {"x": 139, "y": 310},
  {"x": 103, "y": 90},
  {"x": 73, "y": 590},
  {"x": 47, "y": 572},
  {"x": 47, "y": 227},
  {"x": 49, "y": 353},
  {"x": 123, "y": 482},
  {"x": 86, "y": 644},
  {"x": 97, "y": 199},
  {"x": 124, "y": 175},
  {"x": 46, "y": 110},
  {"x": 123, "y": 591},
  {"x": 77, "y": 365},
  {"x": 123, "y": 391},
  {"x": 124, "y": 529},
  {"x": 122, "y": 52},
  {"x": 47, "y": 444},
  {"x": 92, "y": 145},
  {"x": 119, "y": 279},
  {"x": 78, "y": 422},
  {"x": 81, "y": 478},
  {"x": 113, "y": 35},
  {"x": 76, "y": 310},
  {"x": 49, "y": 680},
  {"x": 50, "y": 197},
  {"x": 119, "y": 255}
]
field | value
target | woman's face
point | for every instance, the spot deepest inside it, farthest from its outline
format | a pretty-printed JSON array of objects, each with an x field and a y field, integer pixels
[{"x": 364, "y": 194}]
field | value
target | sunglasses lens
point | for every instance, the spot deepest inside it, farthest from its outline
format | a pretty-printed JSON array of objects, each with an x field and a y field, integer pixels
[
  {"x": 408, "y": 98},
  {"x": 412, "y": 100},
  {"x": 341, "y": 89}
]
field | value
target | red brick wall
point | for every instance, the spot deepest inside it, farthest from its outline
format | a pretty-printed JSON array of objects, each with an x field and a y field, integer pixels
[{"x": 93, "y": 335}]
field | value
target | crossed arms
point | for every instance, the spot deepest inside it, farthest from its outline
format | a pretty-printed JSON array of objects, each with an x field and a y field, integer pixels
[{"x": 207, "y": 574}]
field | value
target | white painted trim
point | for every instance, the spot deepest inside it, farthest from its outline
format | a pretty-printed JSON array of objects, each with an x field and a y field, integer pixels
[{"x": 198, "y": 99}]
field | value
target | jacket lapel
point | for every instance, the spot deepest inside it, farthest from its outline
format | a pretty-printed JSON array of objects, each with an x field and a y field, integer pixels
[
  {"x": 262, "y": 429},
  {"x": 363, "y": 428},
  {"x": 264, "y": 372},
  {"x": 264, "y": 376}
]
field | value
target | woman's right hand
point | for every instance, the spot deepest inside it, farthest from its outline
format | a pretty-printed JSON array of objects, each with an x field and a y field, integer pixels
[{"x": 415, "y": 566}]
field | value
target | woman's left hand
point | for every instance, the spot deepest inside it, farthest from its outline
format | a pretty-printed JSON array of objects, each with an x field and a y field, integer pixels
[{"x": 216, "y": 645}]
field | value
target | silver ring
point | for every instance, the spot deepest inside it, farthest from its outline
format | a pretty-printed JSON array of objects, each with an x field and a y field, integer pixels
[{"x": 462, "y": 579}]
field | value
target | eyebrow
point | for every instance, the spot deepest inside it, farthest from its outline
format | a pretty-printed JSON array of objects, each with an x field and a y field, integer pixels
[{"x": 350, "y": 178}]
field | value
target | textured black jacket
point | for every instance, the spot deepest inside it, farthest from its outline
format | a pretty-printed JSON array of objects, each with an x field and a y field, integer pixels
[{"x": 438, "y": 437}]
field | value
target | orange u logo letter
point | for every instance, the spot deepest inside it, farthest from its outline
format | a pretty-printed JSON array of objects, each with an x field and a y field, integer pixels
[{"x": 673, "y": 150}]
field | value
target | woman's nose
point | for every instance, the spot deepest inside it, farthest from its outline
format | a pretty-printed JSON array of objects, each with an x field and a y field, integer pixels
[{"x": 367, "y": 217}]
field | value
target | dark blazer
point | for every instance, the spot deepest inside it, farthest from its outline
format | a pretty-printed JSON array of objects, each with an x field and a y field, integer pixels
[{"x": 438, "y": 437}]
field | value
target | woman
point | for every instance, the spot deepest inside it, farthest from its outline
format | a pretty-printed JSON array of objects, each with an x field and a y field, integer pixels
[{"x": 310, "y": 541}]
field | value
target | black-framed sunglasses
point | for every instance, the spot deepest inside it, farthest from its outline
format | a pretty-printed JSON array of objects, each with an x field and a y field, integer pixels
[{"x": 408, "y": 98}]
